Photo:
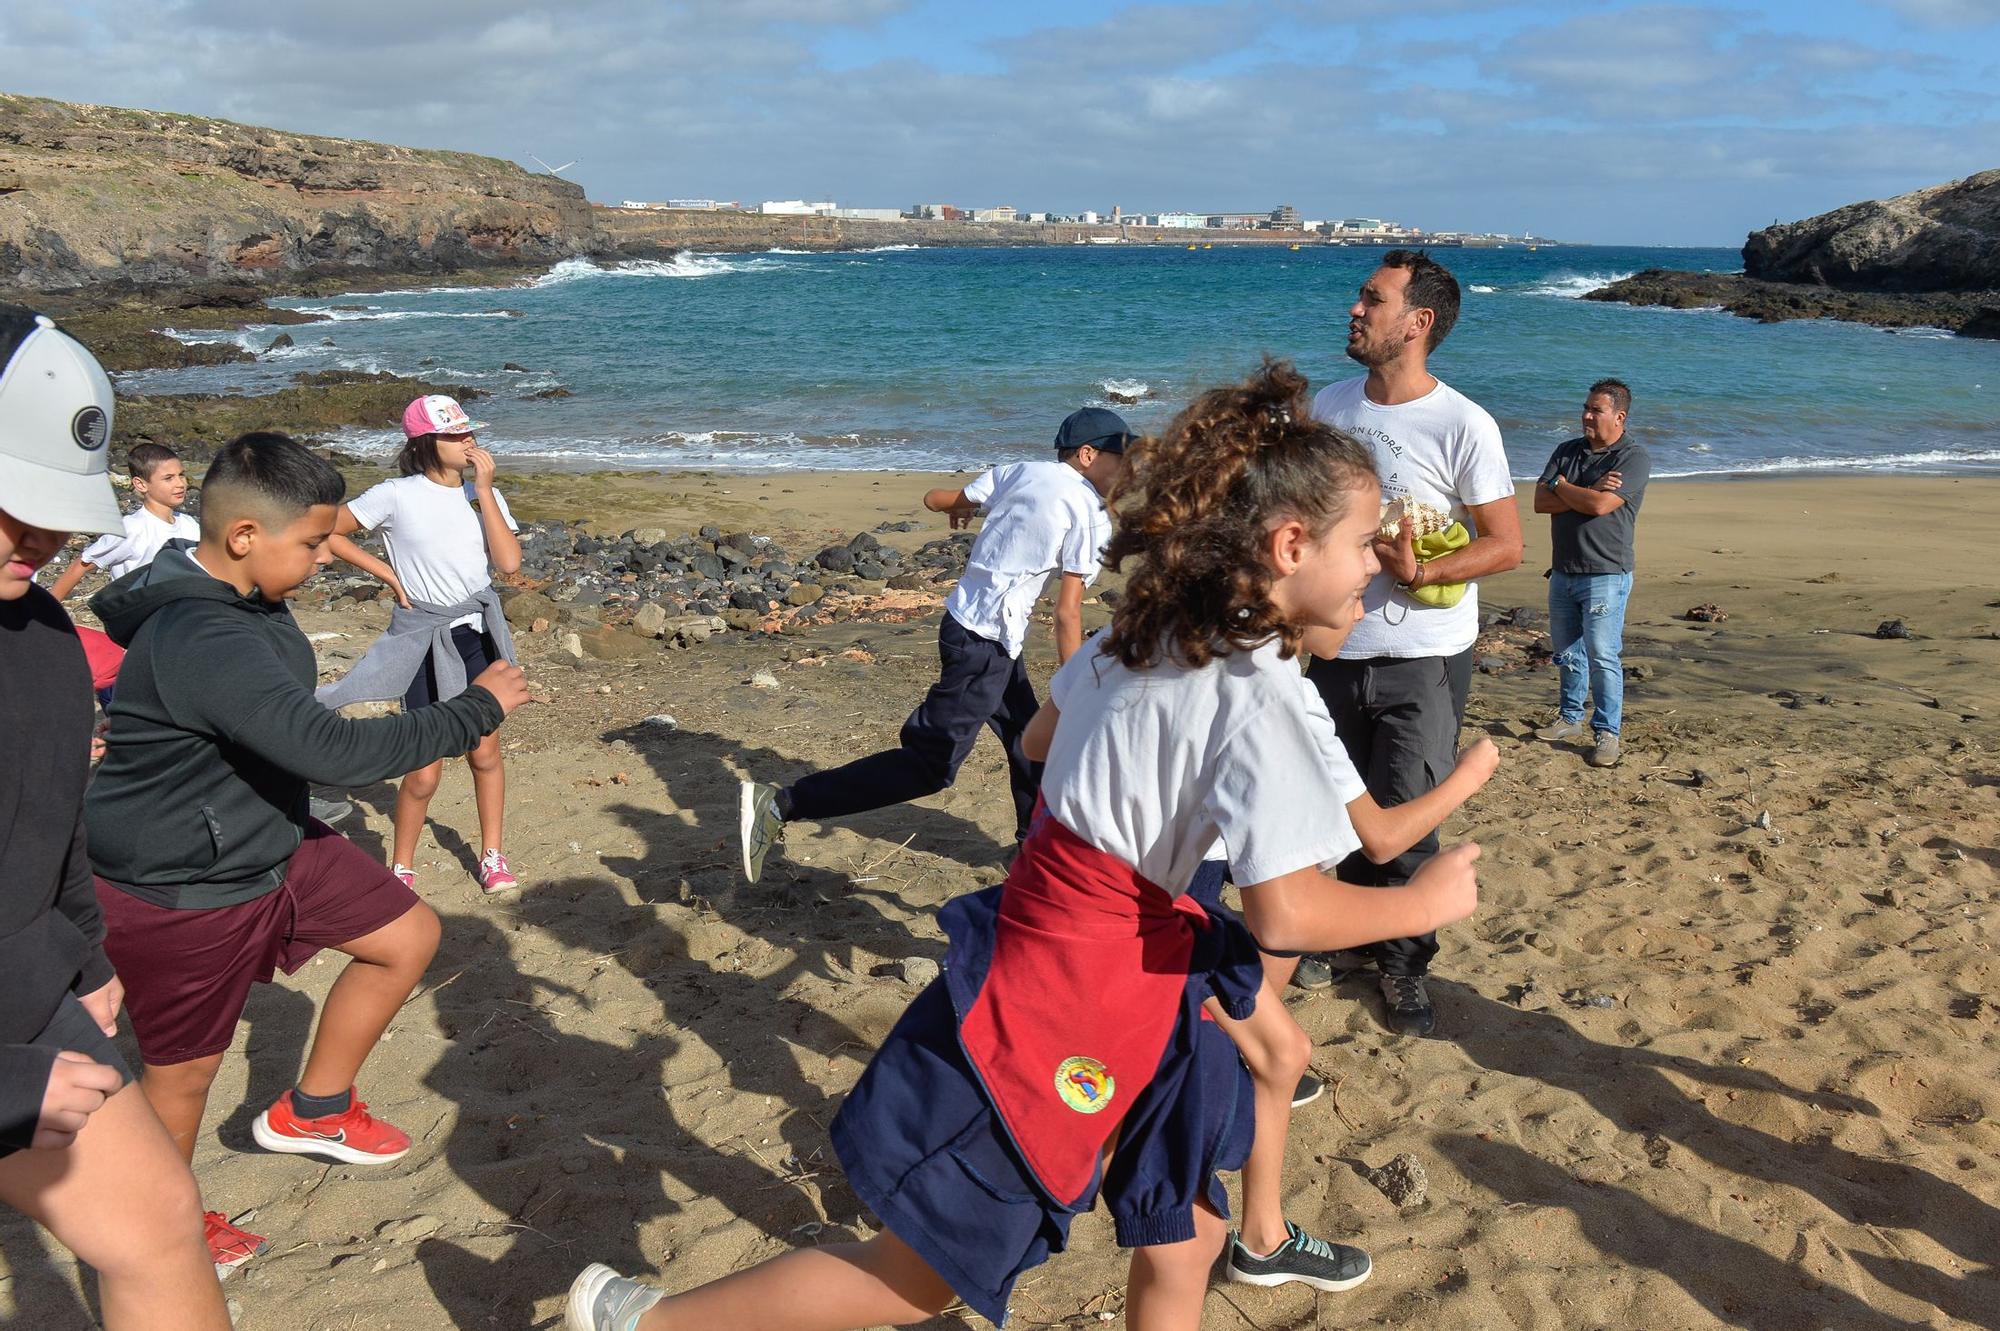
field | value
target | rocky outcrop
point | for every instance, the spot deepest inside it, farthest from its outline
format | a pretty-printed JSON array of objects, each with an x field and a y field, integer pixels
[
  {"x": 95, "y": 195},
  {"x": 1944, "y": 238},
  {"x": 1969, "y": 314}
]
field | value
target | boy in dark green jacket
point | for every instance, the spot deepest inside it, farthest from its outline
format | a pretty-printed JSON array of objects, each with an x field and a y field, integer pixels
[{"x": 210, "y": 873}]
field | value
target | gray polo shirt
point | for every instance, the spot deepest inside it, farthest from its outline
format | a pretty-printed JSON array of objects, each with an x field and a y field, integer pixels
[{"x": 1588, "y": 545}]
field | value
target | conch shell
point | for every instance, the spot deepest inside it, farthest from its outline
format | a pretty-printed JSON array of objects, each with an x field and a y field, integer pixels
[{"x": 1424, "y": 519}]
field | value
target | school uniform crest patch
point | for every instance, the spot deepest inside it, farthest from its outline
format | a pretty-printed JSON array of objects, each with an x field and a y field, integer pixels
[{"x": 1085, "y": 1084}]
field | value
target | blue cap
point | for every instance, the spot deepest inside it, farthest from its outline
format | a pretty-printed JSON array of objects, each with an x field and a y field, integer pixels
[{"x": 1103, "y": 430}]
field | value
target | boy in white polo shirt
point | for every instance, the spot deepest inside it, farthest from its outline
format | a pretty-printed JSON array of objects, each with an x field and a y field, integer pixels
[
  {"x": 161, "y": 484},
  {"x": 1041, "y": 518}
]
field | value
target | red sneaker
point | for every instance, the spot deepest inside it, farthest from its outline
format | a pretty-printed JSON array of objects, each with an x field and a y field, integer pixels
[
  {"x": 228, "y": 1245},
  {"x": 353, "y": 1138}
]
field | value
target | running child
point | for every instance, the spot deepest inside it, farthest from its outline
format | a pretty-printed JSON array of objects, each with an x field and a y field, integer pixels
[
  {"x": 1041, "y": 518},
  {"x": 448, "y": 625},
  {"x": 1063, "y": 1052},
  {"x": 160, "y": 482},
  {"x": 81, "y": 1152},
  {"x": 210, "y": 872}
]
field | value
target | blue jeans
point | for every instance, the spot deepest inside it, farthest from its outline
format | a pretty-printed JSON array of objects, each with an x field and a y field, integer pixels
[{"x": 1587, "y": 621}]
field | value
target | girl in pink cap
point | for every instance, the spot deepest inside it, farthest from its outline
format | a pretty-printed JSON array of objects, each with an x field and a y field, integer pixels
[{"x": 445, "y": 536}]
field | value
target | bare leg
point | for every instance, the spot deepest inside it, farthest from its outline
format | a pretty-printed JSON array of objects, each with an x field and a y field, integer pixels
[
  {"x": 123, "y": 1202},
  {"x": 413, "y": 802},
  {"x": 1168, "y": 1282},
  {"x": 1277, "y": 1053},
  {"x": 178, "y": 1093},
  {"x": 387, "y": 966},
  {"x": 835, "y": 1288},
  {"x": 489, "y": 792}
]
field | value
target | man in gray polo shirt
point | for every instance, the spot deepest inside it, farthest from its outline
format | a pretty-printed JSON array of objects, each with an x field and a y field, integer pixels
[{"x": 1592, "y": 488}]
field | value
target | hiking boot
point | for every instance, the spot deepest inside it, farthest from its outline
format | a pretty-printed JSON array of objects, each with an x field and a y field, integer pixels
[
  {"x": 1410, "y": 1011},
  {"x": 1606, "y": 752},
  {"x": 228, "y": 1245},
  {"x": 354, "y": 1138},
  {"x": 1313, "y": 972},
  {"x": 1331, "y": 1267},
  {"x": 1309, "y": 1090},
  {"x": 494, "y": 875},
  {"x": 759, "y": 824},
  {"x": 602, "y": 1300},
  {"x": 1564, "y": 732}
]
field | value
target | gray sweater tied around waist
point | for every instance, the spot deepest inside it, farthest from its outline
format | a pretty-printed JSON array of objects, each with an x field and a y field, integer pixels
[{"x": 384, "y": 673}]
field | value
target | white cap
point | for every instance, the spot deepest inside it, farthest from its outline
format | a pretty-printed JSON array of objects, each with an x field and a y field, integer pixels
[{"x": 55, "y": 423}]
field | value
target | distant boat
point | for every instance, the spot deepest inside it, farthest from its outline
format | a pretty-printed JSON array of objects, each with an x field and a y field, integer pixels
[
  {"x": 1193, "y": 247},
  {"x": 1107, "y": 240},
  {"x": 1294, "y": 247}
]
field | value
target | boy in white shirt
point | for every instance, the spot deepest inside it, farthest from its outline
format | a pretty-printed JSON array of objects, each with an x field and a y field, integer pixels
[
  {"x": 160, "y": 482},
  {"x": 1041, "y": 518}
]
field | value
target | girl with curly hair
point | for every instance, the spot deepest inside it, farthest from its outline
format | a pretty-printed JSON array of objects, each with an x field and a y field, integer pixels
[{"x": 1064, "y": 1053}]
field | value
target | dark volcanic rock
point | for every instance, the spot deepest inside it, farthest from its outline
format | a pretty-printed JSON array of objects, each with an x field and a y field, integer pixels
[
  {"x": 1943, "y": 238},
  {"x": 1974, "y": 314}
]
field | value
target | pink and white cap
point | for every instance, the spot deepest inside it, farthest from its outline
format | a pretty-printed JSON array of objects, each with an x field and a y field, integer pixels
[{"x": 437, "y": 413}]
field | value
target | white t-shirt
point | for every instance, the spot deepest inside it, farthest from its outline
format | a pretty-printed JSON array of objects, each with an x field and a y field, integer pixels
[
  {"x": 1346, "y": 780},
  {"x": 1443, "y": 449},
  {"x": 1154, "y": 766},
  {"x": 1040, "y": 517},
  {"x": 144, "y": 537},
  {"x": 435, "y": 542}
]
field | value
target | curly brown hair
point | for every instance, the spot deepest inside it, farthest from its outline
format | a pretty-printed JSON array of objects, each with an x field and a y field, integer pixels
[{"x": 1193, "y": 507}]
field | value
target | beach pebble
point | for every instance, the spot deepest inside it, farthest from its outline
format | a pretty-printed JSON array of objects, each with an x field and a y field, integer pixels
[
  {"x": 918, "y": 971},
  {"x": 1706, "y": 613},
  {"x": 1403, "y": 1180},
  {"x": 804, "y": 593},
  {"x": 661, "y": 721},
  {"x": 650, "y": 621},
  {"x": 1762, "y": 820},
  {"x": 1893, "y": 628},
  {"x": 763, "y": 679},
  {"x": 571, "y": 646}
]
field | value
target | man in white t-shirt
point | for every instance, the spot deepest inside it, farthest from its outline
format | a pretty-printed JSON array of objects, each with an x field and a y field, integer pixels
[
  {"x": 160, "y": 483},
  {"x": 1042, "y": 518},
  {"x": 1397, "y": 690}
]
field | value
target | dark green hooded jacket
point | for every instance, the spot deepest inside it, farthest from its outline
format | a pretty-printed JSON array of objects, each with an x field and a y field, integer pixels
[{"x": 201, "y": 799}]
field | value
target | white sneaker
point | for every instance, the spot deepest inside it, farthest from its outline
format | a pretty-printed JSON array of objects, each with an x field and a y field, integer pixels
[
  {"x": 758, "y": 824},
  {"x": 602, "y": 1300}
]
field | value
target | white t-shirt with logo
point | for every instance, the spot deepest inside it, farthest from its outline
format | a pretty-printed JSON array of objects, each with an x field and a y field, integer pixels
[
  {"x": 1155, "y": 766},
  {"x": 1040, "y": 517},
  {"x": 144, "y": 536},
  {"x": 1444, "y": 450},
  {"x": 434, "y": 538}
]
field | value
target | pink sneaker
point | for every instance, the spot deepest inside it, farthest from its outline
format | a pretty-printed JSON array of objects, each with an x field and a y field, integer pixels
[
  {"x": 494, "y": 875},
  {"x": 404, "y": 875}
]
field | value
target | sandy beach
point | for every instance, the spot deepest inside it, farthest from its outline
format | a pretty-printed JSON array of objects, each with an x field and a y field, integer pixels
[{"x": 1720, "y": 1049}]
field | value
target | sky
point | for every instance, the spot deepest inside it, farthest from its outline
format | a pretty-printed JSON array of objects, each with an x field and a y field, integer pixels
[{"x": 1655, "y": 123}]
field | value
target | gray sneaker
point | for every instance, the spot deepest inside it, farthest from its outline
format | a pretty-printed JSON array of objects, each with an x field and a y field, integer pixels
[
  {"x": 328, "y": 811},
  {"x": 1309, "y": 1261},
  {"x": 760, "y": 825},
  {"x": 1409, "y": 1003},
  {"x": 1606, "y": 752},
  {"x": 602, "y": 1300},
  {"x": 1563, "y": 732}
]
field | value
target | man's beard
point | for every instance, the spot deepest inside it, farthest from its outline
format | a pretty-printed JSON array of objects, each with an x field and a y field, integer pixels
[{"x": 1373, "y": 358}]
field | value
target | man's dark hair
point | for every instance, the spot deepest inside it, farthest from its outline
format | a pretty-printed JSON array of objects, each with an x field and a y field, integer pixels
[
  {"x": 269, "y": 476},
  {"x": 1432, "y": 287},
  {"x": 145, "y": 459},
  {"x": 1615, "y": 389}
]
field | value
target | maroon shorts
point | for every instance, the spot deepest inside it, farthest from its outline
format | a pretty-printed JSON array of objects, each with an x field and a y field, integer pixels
[{"x": 188, "y": 973}]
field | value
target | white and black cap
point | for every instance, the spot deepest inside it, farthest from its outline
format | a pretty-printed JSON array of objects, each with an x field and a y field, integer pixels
[{"x": 55, "y": 428}]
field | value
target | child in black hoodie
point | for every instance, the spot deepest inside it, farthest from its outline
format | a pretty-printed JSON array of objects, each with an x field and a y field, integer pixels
[
  {"x": 81, "y": 1152},
  {"x": 211, "y": 874}
]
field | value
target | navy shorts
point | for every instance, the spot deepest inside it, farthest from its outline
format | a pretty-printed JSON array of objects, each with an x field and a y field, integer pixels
[
  {"x": 924, "y": 1150},
  {"x": 75, "y": 1030},
  {"x": 474, "y": 648}
]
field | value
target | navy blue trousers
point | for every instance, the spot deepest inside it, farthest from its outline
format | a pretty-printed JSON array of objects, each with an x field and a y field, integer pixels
[{"x": 979, "y": 685}]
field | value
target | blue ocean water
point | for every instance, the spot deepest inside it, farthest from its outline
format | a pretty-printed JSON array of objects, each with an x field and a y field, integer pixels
[{"x": 955, "y": 358}]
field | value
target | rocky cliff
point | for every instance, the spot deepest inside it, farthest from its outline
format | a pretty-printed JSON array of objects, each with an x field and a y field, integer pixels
[
  {"x": 95, "y": 195},
  {"x": 1944, "y": 238}
]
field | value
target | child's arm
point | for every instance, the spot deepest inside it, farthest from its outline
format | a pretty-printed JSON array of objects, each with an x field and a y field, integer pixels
[
  {"x": 954, "y": 503},
  {"x": 66, "y": 581},
  {"x": 1307, "y": 911},
  {"x": 348, "y": 552},
  {"x": 1387, "y": 833},
  {"x": 502, "y": 546},
  {"x": 1041, "y": 729},
  {"x": 1069, "y": 617}
]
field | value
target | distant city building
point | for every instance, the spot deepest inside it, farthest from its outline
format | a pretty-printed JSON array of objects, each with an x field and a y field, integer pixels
[
  {"x": 1003, "y": 213},
  {"x": 1178, "y": 220},
  {"x": 1087, "y": 218},
  {"x": 869, "y": 214},
  {"x": 1284, "y": 217},
  {"x": 680, "y": 205},
  {"x": 936, "y": 212},
  {"x": 795, "y": 208},
  {"x": 1034, "y": 217},
  {"x": 1238, "y": 221}
]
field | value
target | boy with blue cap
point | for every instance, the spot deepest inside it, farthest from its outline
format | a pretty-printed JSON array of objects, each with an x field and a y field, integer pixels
[{"x": 1041, "y": 518}]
